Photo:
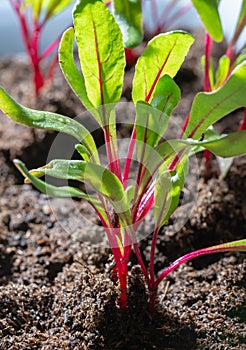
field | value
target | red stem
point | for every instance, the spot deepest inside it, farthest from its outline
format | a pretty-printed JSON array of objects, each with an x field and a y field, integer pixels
[
  {"x": 187, "y": 257},
  {"x": 230, "y": 50},
  {"x": 243, "y": 124},
  {"x": 208, "y": 50},
  {"x": 129, "y": 157}
]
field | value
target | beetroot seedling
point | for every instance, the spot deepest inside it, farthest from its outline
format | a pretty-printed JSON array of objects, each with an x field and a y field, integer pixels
[{"x": 162, "y": 164}]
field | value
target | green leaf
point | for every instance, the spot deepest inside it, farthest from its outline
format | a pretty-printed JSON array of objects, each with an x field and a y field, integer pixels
[
  {"x": 222, "y": 71},
  {"x": 101, "y": 52},
  {"x": 208, "y": 108},
  {"x": 208, "y": 11},
  {"x": 83, "y": 152},
  {"x": 53, "y": 191},
  {"x": 70, "y": 71},
  {"x": 239, "y": 246},
  {"x": 152, "y": 120},
  {"x": 241, "y": 58},
  {"x": 128, "y": 15},
  {"x": 163, "y": 55},
  {"x": 166, "y": 95},
  {"x": 167, "y": 192},
  {"x": 226, "y": 146},
  {"x": 160, "y": 157},
  {"x": 36, "y": 7},
  {"x": 99, "y": 178},
  {"x": 48, "y": 121},
  {"x": 53, "y": 7}
]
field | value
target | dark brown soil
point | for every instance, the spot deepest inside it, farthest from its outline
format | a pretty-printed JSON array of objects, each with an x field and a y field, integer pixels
[{"x": 57, "y": 290}]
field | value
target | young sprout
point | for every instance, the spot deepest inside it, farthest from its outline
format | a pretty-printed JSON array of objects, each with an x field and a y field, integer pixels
[{"x": 162, "y": 164}]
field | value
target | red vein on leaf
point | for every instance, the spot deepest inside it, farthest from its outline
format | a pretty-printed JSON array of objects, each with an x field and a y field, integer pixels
[
  {"x": 149, "y": 95},
  {"x": 211, "y": 111}
]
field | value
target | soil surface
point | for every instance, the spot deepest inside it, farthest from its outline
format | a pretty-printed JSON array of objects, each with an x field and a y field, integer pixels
[{"x": 57, "y": 289}]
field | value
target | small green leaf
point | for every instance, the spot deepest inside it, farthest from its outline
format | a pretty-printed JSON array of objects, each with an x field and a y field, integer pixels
[
  {"x": 83, "y": 152},
  {"x": 222, "y": 71},
  {"x": 101, "y": 52},
  {"x": 208, "y": 11},
  {"x": 128, "y": 15},
  {"x": 167, "y": 191},
  {"x": 53, "y": 7},
  {"x": 208, "y": 108},
  {"x": 152, "y": 120},
  {"x": 163, "y": 55},
  {"x": 166, "y": 96},
  {"x": 160, "y": 157},
  {"x": 241, "y": 58},
  {"x": 48, "y": 121},
  {"x": 36, "y": 7}
]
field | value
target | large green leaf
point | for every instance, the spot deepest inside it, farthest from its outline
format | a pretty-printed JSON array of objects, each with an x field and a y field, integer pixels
[
  {"x": 208, "y": 108},
  {"x": 47, "y": 120},
  {"x": 208, "y": 11},
  {"x": 128, "y": 14},
  {"x": 163, "y": 55},
  {"x": 71, "y": 72},
  {"x": 226, "y": 146},
  {"x": 101, "y": 52}
]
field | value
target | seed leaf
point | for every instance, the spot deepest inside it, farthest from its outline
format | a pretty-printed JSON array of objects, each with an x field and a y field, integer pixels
[
  {"x": 53, "y": 191},
  {"x": 48, "y": 121},
  {"x": 163, "y": 55},
  {"x": 128, "y": 15},
  {"x": 96, "y": 176}
]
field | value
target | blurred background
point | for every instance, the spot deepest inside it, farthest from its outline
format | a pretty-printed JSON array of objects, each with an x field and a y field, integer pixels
[{"x": 11, "y": 42}]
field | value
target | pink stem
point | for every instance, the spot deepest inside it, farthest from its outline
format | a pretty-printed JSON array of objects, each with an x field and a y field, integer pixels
[{"x": 50, "y": 48}]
